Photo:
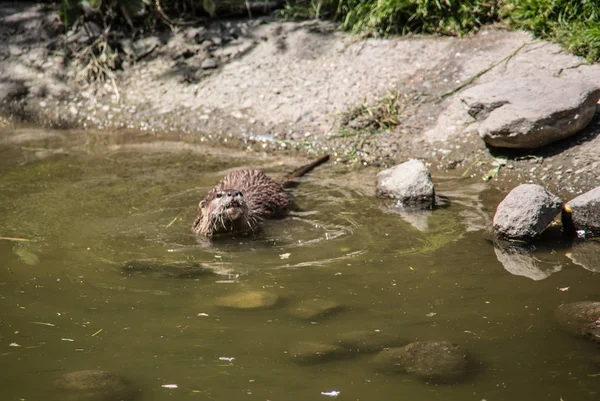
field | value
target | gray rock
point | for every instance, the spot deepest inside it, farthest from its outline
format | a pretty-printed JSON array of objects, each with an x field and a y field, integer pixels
[
  {"x": 209, "y": 63},
  {"x": 249, "y": 300},
  {"x": 197, "y": 34},
  {"x": 310, "y": 353},
  {"x": 365, "y": 341},
  {"x": 583, "y": 213},
  {"x": 525, "y": 212},
  {"x": 143, "y": 47},
  {"x": 581, "y": 319},
  {"x": 430, "y": 360},
  {"x": 409, "y": 183},
  {"x": 176, "y": 269},
  {"x": 12, "y": 90},
  {"x": 15, "y": 50},
  {"x": 531, "y": 112},
  {"x": 95, "y": 385},
  {"x": 313, "y": 309}
]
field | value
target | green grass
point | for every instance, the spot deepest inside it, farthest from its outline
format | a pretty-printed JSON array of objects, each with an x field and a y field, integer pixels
[{"x": 575, "y": 24}]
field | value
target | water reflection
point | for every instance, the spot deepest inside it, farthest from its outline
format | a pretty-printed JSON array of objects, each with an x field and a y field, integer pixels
[
  {"x": 586, "y": 254},
  {"x": 521, "y": 261}
]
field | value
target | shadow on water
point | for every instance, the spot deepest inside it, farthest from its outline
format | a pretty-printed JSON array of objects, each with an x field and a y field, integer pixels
[{"x": 100, "y": 271}]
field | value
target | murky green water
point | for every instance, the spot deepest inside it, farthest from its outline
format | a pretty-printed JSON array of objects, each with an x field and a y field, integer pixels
[{"x": 90, "y": 202}]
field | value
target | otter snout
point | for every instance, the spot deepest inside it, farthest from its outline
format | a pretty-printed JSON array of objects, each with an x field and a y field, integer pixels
[{"x": 234, "y": 198}]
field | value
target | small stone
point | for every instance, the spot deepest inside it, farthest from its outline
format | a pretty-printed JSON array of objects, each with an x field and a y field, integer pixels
[
  {"x": 15, "y": 50},
  {"x": 314, "y": 309},
  {"x": 310, "y": 353},
  {"x": 249, "y": 300},
  {"x": 409, "y": 183},
  {"x": 209, "y": 63}
]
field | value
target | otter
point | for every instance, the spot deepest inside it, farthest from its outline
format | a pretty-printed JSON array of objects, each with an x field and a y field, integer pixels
[{"x": 243, "y": 198}]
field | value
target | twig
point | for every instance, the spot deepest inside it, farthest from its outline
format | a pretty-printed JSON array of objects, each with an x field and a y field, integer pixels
[
  {"x": 16, "y": 239},
  {"x": 162, "y": 14},
  {"x": 174, "y": 220},
  {"x": 480, "y": 73}
]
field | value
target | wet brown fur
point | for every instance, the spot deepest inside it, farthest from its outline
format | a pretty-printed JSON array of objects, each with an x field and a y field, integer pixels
[{"x": 243, "y": 198}]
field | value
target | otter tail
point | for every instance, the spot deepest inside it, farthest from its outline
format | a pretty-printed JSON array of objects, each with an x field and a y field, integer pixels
[{"x": 290, "y": 181}]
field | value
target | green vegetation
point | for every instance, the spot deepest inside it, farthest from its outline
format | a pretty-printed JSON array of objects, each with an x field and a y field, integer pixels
[{"x": 575, "y": 24}]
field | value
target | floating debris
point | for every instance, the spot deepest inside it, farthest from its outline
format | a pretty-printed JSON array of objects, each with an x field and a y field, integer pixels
[{"x": 43, "y": 324}]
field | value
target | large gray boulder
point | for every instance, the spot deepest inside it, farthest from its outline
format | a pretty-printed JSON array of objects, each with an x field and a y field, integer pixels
[
  {"x": 409, "y": 183},
  {"x": 525, "y": 212},
  {"x": 583, "y": 214},
  {"x": 531, "y": 112}
]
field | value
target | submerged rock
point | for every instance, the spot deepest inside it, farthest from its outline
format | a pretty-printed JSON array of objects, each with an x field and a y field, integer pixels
[
  {"x": 310, "y": 353},
  {"x": 525, "y": 212},
  {"x": 366, "y": 341},
  {"x": 95, "y": 385},
  {"x": 431, "y": 360},
  {"x": 313, "y": 309},
  {"x": 581, "y": 319},
  {"x": 583, "y": 214},
  {"x": 531, "y": 112},
  {"x": 177, "y": 269},
  {"x": 409, "y": 183},
  {"x": 249, "y": 300}
]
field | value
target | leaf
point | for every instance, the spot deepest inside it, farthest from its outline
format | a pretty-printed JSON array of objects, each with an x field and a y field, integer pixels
[
  {"x": 491, "y": 174},
  {"x": 209, "y": 7},
  {"x": 27, "y": 257}
]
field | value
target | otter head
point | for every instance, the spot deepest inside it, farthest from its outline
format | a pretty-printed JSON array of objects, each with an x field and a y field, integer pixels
[{"x": 222, "y": 211}]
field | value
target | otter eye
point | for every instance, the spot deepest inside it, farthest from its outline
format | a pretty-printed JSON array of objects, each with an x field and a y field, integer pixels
[{"x": 219, "y": 195}]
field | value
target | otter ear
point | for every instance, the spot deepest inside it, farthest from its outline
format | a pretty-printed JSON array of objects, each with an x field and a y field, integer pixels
[{"x": 202, "y": 204}]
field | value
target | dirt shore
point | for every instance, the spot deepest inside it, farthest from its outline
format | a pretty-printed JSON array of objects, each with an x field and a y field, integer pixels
[{"x": 262, "y": 85}]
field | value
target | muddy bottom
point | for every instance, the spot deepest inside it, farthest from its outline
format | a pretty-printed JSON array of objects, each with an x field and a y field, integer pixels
[{"x": 76, "y": 207}]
